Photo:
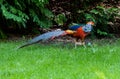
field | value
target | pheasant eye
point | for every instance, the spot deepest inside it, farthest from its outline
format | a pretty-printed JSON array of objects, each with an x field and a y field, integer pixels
[{"x": 85, "y": 29}]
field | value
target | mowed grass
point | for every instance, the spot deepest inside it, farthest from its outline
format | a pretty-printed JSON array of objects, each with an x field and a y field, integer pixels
[{"x": 60, "y": 61}]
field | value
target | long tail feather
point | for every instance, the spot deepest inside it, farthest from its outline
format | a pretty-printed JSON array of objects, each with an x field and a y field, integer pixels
[{"x": 44, "y": 36}]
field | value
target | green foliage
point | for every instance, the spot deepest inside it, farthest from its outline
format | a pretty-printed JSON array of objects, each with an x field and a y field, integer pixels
[
  {"x": 101, "y": 32},
  {"x": 12, "y": 13},
  {"x": 1, "y": 1},
  {"x": 93, "y": 10},
  {"x": 2, "y": 35},
  {"x": 19, "y": 11},
  {"x": 34, "y": 13},
  {"x": 44, "y": 21},
  {"x": 89, "y": 17},
  {"x": 22, "y": 13},
  {"x": 101, "y": 16},
  {"x": 44, "y": 16},
  {"x": 60, "y": 19}
]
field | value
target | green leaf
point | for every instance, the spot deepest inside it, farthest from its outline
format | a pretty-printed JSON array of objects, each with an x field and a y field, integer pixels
[
  {"x": 101, "y": 32},
  {"x": 1, "y": 1},
  {"x": 89, "y": 17},
  {"x": 60, "y": 19},
  {"x": 94, "y": 11}
]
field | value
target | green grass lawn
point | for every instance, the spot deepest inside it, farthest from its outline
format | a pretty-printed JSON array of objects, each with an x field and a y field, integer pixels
[{"x": 54, "y": 61}]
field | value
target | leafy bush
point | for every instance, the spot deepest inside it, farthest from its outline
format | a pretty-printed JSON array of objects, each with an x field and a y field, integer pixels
[
  {"x": 22, "y": 12},
  {"x": 12, "y": 13},
  {"x": 101, "y": 16},
  {"x": 32, "y": 13},
  {"x": 60, "y": 19},
  {"x": 101, "y": 12}
]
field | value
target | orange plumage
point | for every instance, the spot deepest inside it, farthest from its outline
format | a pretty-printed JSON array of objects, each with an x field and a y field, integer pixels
[{"x": 82, "y": 32}]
